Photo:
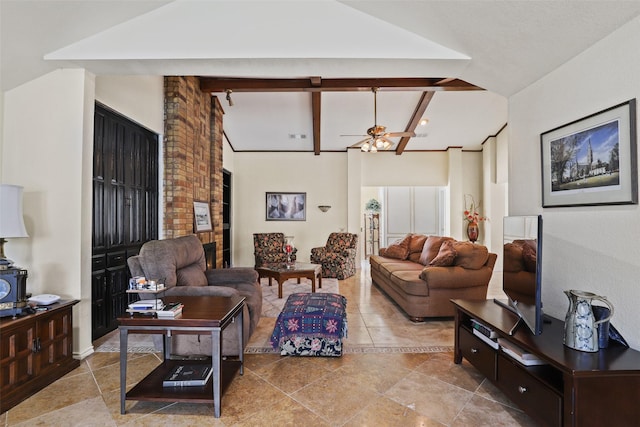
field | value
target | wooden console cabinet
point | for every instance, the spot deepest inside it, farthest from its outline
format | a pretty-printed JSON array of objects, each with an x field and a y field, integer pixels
[
  {"x": 573, "y": 388},
  {"x": 35, "y": 350}
]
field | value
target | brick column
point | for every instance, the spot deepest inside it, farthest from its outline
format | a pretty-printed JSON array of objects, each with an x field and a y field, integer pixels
[{"x": 189, "y": 163}]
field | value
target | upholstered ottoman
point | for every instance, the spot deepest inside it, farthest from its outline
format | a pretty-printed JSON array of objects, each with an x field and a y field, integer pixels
[{"x": 311, "y": 324}]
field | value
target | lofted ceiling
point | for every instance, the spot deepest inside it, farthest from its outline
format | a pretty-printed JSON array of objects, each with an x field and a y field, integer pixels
[{"x": 498, "y": 46}]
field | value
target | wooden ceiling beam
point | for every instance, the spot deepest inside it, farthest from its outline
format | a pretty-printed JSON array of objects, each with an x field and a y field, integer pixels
[
  {"x": 318, "y": 84},
  {"x": 425, "y": 99},
  {"x": 316, "y": 103}
]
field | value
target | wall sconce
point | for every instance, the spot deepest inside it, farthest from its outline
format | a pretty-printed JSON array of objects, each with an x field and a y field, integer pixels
[{"x": 324, "y": 208}]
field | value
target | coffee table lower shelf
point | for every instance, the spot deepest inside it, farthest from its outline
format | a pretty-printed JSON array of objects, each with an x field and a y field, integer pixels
[{"x": 151, "y": 389}]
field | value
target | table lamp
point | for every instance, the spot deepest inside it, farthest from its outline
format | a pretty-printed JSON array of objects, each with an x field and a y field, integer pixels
[{"x": 11, "y": 221}]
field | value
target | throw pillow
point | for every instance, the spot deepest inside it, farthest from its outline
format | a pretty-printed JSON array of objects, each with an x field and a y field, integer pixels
[
  {"x": 513, "y": 261},
  {"x": 446, "y": 255},
  {"x": 398, "y": 249},
  {"x": 431, "y": 248},
  {"x": 471, "y": 255},
  {"x": 415, "y": 246}
]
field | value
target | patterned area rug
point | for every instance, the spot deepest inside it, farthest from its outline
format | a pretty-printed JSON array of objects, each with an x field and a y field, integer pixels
[
  {"x": 137, "y": 343},
  {"x": 272, "y": 305}
]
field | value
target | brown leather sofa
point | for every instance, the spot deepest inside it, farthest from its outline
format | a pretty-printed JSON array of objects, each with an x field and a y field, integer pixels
[{"x": 421, "y": 274}]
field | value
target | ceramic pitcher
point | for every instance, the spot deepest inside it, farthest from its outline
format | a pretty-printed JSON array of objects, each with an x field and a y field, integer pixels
[{"x": 581, "y": 326}]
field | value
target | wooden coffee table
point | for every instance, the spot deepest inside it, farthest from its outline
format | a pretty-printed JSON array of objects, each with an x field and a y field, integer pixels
[
  {"x": 201, "y": 314},
  {"x": 298, "y": 270}
]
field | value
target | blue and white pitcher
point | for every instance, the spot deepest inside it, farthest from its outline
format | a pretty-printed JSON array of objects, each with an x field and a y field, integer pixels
[{"x": 581, "y": 326}]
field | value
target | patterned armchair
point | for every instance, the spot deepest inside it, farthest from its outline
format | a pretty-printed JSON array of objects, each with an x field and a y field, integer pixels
[
  {"x": 268, "y": 248},
  {"x": 338, "y": 256}
]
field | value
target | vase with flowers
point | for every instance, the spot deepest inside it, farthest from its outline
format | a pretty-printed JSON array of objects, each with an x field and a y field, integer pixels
[{"x": 473, "y": 218}]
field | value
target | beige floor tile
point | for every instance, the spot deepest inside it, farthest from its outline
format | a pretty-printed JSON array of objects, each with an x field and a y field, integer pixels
[
  {"x": 89, "y": 412},
  {"x": 483, "y": 412},
  {"x": 62, "y": 393},
  {"x": 334, "y": 399},
  {"x": 292, "y": 373},
  {"x": 385, "y": 412},
  {"x": 430, "y": 397},
  {"x": 285, "y": 412}
]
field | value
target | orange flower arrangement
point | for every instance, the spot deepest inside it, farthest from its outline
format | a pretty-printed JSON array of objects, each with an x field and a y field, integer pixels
[{"x": 471, "y": 213}]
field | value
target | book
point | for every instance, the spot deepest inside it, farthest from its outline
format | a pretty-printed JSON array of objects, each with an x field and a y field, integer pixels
[
  {"x": 147, "y": 304},
  {"x": 519, "y": 354},
  {"x": 188, "y": 375},
  {"x": 171, "y": 310}
]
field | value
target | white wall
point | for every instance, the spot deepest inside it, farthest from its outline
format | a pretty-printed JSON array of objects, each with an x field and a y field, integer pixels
[
  {"x": 48, "y": 160},
  {"x": 588, "y": 248},
  {"x": 139, "y": 98},
  {"x": 323, "y": 178}
]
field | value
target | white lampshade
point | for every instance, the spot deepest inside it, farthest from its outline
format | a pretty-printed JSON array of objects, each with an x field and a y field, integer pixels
[{"x": 11, "y": 221}]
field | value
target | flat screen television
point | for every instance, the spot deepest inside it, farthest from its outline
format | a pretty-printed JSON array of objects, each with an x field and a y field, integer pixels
[{"x": 522, "y": 270}]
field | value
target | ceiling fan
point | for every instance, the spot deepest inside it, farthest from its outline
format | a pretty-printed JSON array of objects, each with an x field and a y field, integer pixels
[{"x": 378, "y": 137}]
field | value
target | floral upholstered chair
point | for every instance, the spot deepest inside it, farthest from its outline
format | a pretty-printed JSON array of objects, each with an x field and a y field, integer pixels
[
  {"x": 338, "y": 256},
  {"x": 268, "y": 249}
]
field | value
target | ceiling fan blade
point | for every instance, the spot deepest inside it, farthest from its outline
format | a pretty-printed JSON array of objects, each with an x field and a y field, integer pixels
[
  {"x": 399, "y": 134},
  {"x": 388, "y": 141}
]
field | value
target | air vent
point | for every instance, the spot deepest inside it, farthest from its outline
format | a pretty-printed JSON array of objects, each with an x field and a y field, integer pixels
[
  {"x": 297, "y": 136},
  {"x": 421, "y": 135}
]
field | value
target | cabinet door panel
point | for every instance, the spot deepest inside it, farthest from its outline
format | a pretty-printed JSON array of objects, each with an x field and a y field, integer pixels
[{"x": 17, "y": 364}]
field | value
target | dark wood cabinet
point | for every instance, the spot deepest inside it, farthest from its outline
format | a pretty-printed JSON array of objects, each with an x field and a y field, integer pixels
[
  {"x": 571, "y": 388},
  {"x": 35, "y": 350},
  {"x": 125, "y": 210},
  {"x": 226, "y": 218}
]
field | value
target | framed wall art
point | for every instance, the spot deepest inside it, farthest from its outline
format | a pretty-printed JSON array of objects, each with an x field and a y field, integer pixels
[
  {"x": 592, "y": 161},
  {"x": 201, "y": 217},
  {"x": 286, "y": 206}
]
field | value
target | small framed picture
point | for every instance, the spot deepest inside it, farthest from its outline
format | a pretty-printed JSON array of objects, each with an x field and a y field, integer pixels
[
  {"x": 201, "y": 217},
  {"x": 286, "y": 206}
]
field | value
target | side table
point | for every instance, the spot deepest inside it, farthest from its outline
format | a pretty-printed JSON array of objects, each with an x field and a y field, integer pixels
[{"x": 202, "y": 314}]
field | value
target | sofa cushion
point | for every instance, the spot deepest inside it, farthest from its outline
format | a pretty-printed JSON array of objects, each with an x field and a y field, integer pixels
[
  {"x": 399, "y": 249},
  {"x": 446, "y": 255},
  {"x": 388, "y": 268},
  {"x": 415, "y": 247},
  {"x": 409, "y": 282},
  {"x": 431, "y": 248},
  {"x": 470, "y": 255},
  {"x": 191, "y": 275}
]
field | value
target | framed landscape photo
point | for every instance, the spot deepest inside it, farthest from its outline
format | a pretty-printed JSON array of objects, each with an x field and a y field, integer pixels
[
  {"x": 201, "y": 217},
  {"x": 286, "y": 206},
  {"x": 592, "y": 161}
]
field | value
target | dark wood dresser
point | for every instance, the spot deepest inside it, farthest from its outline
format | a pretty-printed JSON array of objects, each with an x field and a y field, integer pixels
[
  {"x": 572, "y": 388},
  {"x": 35, "y": 350}
]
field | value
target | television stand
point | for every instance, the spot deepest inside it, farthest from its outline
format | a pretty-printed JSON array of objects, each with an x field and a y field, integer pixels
[{"x": 572, "y": 388}]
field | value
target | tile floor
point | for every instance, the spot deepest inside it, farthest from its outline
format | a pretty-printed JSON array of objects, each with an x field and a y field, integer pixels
[{"x": 363, "y": 389}]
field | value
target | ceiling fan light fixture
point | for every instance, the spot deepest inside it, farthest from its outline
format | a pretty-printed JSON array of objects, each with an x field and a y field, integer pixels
[
  {"x": 373, "y": 149},
  {"x": 379, "y": 143},
  {"x": 365, "y": 147}
]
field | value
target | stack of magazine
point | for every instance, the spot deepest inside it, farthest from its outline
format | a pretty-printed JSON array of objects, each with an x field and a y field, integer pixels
[
  {"x": 170, "y": 311},
  {"x": 188, "y": 375},
  {"x": 519, "y": 354}
]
